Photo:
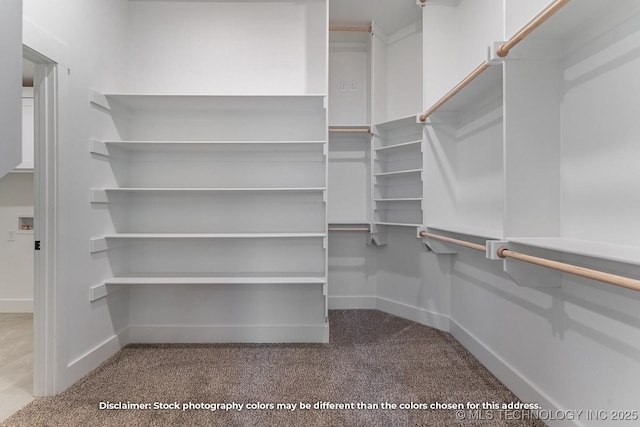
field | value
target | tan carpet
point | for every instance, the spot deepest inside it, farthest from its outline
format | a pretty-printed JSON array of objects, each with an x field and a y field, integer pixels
[{"x": 372, "y": 358}]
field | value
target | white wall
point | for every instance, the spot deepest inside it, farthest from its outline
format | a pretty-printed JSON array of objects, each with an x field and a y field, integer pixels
[
  {"x": 16, "y": 252},
  {"x": 404, "y": 72},
  {"x": 193, "y": 53},
  {"x": 88, "y": 38}
]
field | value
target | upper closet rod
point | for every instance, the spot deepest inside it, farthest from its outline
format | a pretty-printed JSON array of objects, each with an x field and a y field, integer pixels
[
  {"x": 538, "y": 20},
  {"x": 502, "y": 51},
  {"x": 612, "y": 279},
  {"x": 353, "y": 29},
  {"x": 350, "y": 130},
  {"x": 475, "y": 73}
]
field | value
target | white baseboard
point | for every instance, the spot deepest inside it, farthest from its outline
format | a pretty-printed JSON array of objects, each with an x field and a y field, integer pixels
[
  {"x": 352, "y": 302},
  {"x": 84, "y": 364},
  {"x": 419, "y": 315},
  {"x": 229, "y": 334},
  {"x": 16, "y": 305},
  {"x": 506, "y": 373}
]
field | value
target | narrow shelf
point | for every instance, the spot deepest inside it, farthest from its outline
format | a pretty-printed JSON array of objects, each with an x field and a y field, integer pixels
[
  {"x": 400, "y": 199},
  {"x": 404, "y": 145},
  {"x": 485, "y": 233},
  {"x": 606, "y": 251},
  {"x": 399, "y": 123},
  {"x": 398, "y": 224},
  {"x": 213, "y": 280},
  {"x": 402, "y": 172}
]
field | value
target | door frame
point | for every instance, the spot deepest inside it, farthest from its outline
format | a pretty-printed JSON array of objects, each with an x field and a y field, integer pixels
[{"x": 46, "y": 325}]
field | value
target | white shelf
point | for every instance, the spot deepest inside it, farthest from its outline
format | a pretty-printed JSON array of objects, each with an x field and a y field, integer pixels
[
  {"x": 484, "y": 233},
  {"x": 213, "y": 280},
  {"x": 210, "y": 190},
  {"x": 606, "y": 251},
  {"x": 486, "y": 86},
  {"x": 400, "y": 199},
  {"x": 399, "y": 123},
  {"x": 398, "y": 224},
  {"x": 211, "y": 235},
  {"x": 195, "y": 102},
  {"x": 571, "y": 18},
  {"x": 404, "y": 145},
  {"x": 402, "y": 172},
  {"x": 99, "y": 147}
]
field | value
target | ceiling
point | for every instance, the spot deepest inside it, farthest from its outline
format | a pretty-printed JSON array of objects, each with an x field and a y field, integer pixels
[{"x": 390, "y": 15}]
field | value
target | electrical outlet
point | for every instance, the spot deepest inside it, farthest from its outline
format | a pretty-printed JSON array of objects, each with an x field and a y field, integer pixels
[
  {"x": 352, "y": 86},
  {"x": 11, "y": 236},
  {"x": 343, "y": 86}
]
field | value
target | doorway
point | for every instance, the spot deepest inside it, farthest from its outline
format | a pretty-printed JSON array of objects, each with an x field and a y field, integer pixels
[{"x": 17, "y": 267}]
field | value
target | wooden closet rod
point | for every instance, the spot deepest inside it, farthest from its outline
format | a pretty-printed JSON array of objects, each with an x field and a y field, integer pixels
[
  {"x": 352, "y": 29},
  {"x": 475, "y": 73},
  {"x": 538, "y": 20},
  {"x": 349, "y": 229},
  {"x": 503, "y": 252},
  {"x": 612, "y": 279},
  {"x": 350, "y": 130},
  {"x": 454, "y": 241}
]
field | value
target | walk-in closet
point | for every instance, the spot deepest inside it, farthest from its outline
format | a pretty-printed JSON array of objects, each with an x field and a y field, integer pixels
[{"x": 238, "y": 173}]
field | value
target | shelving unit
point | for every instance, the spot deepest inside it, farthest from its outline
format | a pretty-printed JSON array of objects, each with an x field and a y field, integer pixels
[
  {"x": 349, "y": 124},
  {"x": 397, "y": 164},
  {"x": 217, "y": 190},
  {"x": 527, "y": 176},
  {"x": 464, "y": 161},
  {"x": 574, "y": 64}
]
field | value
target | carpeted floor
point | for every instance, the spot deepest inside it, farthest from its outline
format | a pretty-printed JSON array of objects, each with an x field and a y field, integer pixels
[{"x": 372, "y": 358}]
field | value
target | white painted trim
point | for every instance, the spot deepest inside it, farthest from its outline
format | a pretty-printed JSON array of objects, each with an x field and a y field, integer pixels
[
  {"x": 354, "y": 302},
  {"x": 79, "y": 367},
  {"x": 514, "y": 380},
  {"x": 44, "y": 43},
  {"x": 16, "y": 305},
  {"x": 229, "y": 334},
  {"x": 419, "y": 315}
]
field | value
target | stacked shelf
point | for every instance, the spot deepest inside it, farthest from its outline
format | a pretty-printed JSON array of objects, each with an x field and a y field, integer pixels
[
  {"x": 217, "y": 190},
  {"x": 397, "y": 174}
]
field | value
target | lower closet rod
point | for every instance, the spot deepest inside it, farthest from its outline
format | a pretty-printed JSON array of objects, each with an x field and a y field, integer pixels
[
  {"x": 503, "y": 252},
  {"x": 612, "y": 279},
  {"x": 454, "y": 241}
]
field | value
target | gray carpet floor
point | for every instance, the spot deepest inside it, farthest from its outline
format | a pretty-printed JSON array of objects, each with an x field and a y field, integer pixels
[{"x": 372, "y": 358}]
